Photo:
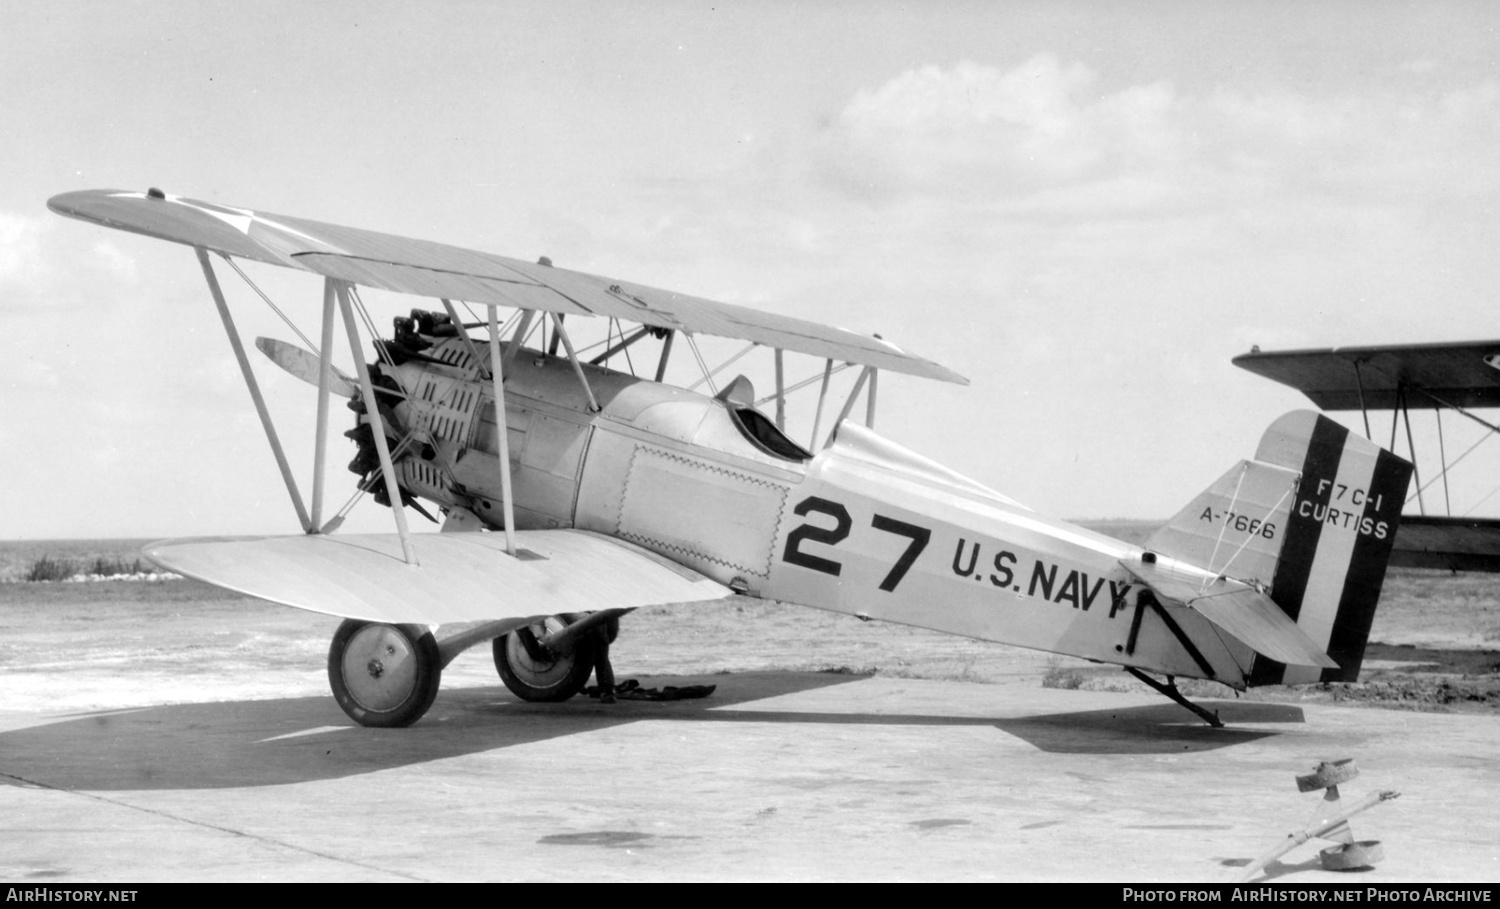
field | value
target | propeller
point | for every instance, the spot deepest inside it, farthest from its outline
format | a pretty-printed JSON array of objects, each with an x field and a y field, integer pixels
[{"x": 305, "y": 364}]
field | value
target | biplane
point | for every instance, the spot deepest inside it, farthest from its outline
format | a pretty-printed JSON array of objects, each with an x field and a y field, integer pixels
[
  {"x": 1455, "y": 378},
  {"x": 571, "y": 492}
]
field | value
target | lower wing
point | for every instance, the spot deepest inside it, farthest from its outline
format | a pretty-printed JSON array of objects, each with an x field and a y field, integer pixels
[{"x": 460, "y": 577}]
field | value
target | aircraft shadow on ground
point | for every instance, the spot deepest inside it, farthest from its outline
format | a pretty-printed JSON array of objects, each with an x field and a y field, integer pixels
[{"x": 274, "y": 742}]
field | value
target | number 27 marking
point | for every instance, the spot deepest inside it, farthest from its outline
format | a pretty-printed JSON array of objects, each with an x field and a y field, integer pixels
[{"x": 832, "y": 536}]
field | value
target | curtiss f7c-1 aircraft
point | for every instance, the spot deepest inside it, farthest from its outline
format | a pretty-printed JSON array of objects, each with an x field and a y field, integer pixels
[{"x": 572, "y": 493}]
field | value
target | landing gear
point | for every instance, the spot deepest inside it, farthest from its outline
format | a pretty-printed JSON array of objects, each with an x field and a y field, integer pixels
[
  {"x": 535, "y": 672},
  {"x": 384, "y": 675}
]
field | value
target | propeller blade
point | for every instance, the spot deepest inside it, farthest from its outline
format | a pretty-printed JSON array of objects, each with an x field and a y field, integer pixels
[{"x": 304, "y": 365}]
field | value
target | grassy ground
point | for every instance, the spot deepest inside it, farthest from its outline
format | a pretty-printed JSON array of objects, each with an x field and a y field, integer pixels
[{"x": 21, "y": 560}]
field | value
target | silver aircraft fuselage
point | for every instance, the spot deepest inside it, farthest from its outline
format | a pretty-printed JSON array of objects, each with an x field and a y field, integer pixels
[{"x": 864, "y": 527}]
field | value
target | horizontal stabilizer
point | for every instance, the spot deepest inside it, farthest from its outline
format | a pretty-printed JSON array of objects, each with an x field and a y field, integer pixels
[
  {"x": 1242, "y": 611},
  {"x": 1255, "y": 619},
  {"x": 461, "y": 577}
]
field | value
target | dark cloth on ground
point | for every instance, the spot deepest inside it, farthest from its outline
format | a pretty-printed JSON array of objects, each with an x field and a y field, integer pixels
[{"x": 631, "y": 690}]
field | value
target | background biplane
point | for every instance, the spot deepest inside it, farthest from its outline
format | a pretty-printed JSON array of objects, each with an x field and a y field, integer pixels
[
  {"x": 1457, "y": 377},
  {"x": 604, "y": 491}
]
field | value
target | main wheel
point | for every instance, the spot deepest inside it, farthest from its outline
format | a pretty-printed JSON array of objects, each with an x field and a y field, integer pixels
[
  {"x": 534, "y": 672},
  {"x": 384, "y": 675}
]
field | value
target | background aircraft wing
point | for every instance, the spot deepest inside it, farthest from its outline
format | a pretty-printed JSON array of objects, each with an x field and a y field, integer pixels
[
  {"x": 1434, "y": 376},
  {"x": 1451, "y": 375},
  {"x": 462, "y": 577},
  {"x": 1453, "y": 544},
  {"x": 432, "y": 269}
]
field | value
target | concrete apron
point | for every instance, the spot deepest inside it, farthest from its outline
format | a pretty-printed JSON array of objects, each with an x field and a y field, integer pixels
[{"x": 776, "y": 776}]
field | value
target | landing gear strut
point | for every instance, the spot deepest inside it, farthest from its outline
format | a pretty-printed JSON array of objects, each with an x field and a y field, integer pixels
[{"x": 384, "y": 675}]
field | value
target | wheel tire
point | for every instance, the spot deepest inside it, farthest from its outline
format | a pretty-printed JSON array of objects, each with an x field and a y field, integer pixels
[
  {"x": 384, "y": 675},
  {"x": 554, "y": 678},
  {"x": 1351, "y": 856}
]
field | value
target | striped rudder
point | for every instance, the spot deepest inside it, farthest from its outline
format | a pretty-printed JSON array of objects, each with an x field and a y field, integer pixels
[{"x": 1339, "y": 528}]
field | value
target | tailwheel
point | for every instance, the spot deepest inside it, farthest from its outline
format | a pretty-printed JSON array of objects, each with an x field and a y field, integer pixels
[
  {"x": 534, "y": 672},
  {"x": 384, "y": 675}
]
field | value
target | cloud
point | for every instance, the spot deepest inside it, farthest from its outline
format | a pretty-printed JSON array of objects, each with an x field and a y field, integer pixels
[
  {"x": 1382, "y": 146},
  {"x": 42, "y": 267},
  {"x": 1058, "y": 236},
  {"x": 1046, "y": 138},
  {"x": 114, "y": 261},
  {"x": 22, "y": 264},
  {"x": 979, "y": 129},
  {"x": 1043, "y": 187},
  {"x": 37, "y": 373}
]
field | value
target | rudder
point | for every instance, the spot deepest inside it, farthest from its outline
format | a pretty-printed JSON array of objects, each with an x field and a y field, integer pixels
[{"x": 1340, "y": 530}]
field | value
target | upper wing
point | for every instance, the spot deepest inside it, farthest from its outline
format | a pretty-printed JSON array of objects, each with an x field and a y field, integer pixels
[
  {"x": 1349, "y": 378},
  {"x": 461, "y": 577},
  {"x": 437, "y": 270}
]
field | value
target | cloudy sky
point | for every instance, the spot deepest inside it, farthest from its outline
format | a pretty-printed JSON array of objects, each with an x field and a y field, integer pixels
[{"x": 1087, "y": 208}]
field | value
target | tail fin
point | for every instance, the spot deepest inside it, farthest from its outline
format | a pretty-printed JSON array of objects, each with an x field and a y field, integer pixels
[{"x": 1313, "y": 517}]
